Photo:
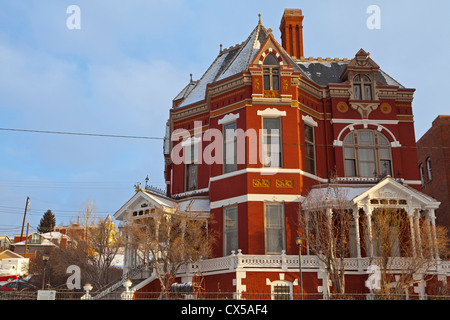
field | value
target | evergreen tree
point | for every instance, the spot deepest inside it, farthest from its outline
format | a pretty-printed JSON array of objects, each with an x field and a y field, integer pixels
[{"x": 47, "y": 222}]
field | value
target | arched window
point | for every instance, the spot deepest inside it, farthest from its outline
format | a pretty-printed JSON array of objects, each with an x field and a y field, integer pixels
[
  {"x": 271, "y": 68},
  {"x": 362, "y": 87},
  {"x": 367, "y": 153}
]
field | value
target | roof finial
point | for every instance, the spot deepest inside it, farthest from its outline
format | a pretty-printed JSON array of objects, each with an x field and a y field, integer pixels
[
  {"x": 191, "y": 77},
  {"x": 220, "y": 48},
  {"x": 259, "y": 15}
]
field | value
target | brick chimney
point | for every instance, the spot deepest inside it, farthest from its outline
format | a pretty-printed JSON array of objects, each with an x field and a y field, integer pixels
[{"x": 292, "y": 32}]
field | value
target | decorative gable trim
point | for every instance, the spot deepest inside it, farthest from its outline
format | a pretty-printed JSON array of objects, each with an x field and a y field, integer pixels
[{"x": 267, "y": 52}]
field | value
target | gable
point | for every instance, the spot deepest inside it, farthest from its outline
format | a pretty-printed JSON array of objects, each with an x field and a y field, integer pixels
[
  {"x": 270, "y": 46},
  {"x": 389, "y": 189}
]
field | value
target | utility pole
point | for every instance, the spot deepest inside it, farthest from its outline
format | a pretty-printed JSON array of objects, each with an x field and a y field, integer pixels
[
  {"x": 24, "y": 215},
  {"x": 26, "y": 240}
]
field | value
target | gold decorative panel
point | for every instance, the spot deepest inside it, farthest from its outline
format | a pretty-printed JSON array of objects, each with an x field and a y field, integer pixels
[
  {"x": 282, "y": 183},
  {"x": 261, "y": 183},
  {"x": 271, "y": 94}
]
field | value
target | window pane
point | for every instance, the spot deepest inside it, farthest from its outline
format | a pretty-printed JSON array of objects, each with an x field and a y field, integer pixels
[
  {"x": 271, "y": 124},
  {"x": 367, "y": 169},
  {"x": 191, "y": 178},
  {"x": 350, "y": 168},
  {"x": 366, "y": 79},
  {"x": 266, "y": 82},
  {"x": 272, "y": 156},
  {"x": 310, "y": 166},
  {"x": 349, "y": 139},
  {"x": 349, "y": 153},
  {"x": 309, "y": 133},
  {"x": 366, "y": 154},
  {"x": 384, "y": 153},
  {"x": 271, "y": 60},
  {"x": 231, "y": 229},
  {"x": 357, "y": 78},
  {"x": 382, "y": 140},
  {"x": 368, "y": 92},
  {"x": 230, "y": 148},
  {"x": 385, "y": 167},
  {"x": 309, "y": 150},
  {"x": 365, "y": 138},
  {"x": 275, "y": 82},
  {"x": 357, "y": 92},
  {"x": 274, "y": 228}
]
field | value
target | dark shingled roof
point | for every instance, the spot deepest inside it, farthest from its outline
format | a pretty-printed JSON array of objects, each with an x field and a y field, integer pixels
[{"x": 323, "y": 73}]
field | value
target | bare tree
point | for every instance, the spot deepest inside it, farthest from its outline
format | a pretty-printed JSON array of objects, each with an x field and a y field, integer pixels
[
  {"x": 87, "y": 217},
  {"x": 165, "y": 241},
  {"x": 404, "y": 249},
  {"x": 325, "y": 221},
  {"x": 103, "y": 243}
]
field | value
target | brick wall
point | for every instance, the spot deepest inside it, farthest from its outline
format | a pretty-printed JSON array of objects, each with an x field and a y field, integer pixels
[{"x": 435, "y": 146}]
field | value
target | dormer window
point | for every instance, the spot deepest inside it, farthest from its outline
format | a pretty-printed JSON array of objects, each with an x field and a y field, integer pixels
[
  {"x": 271, "y": 69},
  {"x": 362, "y": 87}
]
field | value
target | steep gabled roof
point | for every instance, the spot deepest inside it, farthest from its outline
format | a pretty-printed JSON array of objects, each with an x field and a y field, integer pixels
[
  {"x": 229, "y": 62},
  {"x": 236, "y": 59}
]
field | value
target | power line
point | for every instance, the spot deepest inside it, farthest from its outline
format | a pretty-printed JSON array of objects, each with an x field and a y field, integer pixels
[
  {"x": 82, "y": 134},
  {"x": 159, "y": 138}
]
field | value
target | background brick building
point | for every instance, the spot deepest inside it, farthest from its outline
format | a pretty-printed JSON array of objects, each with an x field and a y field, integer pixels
[{"x": 433, "y": 153}]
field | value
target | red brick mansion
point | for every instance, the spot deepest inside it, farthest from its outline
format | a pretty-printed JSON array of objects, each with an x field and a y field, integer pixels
[{"x": 263, "y": 129}]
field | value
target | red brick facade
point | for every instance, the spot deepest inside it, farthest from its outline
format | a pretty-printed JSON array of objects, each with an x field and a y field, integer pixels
[
  {"x": 344, "y": 119},
  {"x": 433, "y": 150}
]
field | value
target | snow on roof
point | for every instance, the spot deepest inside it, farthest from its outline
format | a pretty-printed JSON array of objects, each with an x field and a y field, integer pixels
[
  {"x": 246, "y": 53},
  {"x": 196, "y": 204},
  {"x": 236, "y": 59},
  {"x": 198, "y": 92}
]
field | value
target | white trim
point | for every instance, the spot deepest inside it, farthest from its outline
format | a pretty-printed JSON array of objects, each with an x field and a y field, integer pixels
[
  {"x": 416, "y": 182},
  {"x": 230, "y": 117},
  {"x": 271, "y": 112},
  {"x": 362, "y": 121},
  {"x": 189, "y": 193},
  {"x": 256, "y": 197},
  {"x": 227, "y": 175},
  {"x": 309, "y": 120},
  {"x": 267, "y": 171},
  {"x": 190, "y": 141},
  {"x": 365, "y": 123}
]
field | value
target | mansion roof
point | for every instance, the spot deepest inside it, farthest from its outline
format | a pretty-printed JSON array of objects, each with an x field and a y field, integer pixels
[{"x": 238, "y": 58}]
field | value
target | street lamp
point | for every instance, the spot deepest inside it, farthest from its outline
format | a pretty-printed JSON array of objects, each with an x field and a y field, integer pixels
[
  {"x": 299, "y": 241},
  {"x": 45, "y": 258}
]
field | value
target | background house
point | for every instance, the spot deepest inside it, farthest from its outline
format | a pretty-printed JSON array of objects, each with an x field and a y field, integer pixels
[{"x": 433, "y": 152}]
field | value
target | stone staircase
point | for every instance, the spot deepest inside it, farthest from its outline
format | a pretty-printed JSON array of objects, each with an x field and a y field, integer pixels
[{"x": 113, "y": 290}]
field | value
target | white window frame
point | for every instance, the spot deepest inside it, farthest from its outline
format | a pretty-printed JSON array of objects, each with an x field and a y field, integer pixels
[
  {"x": 226, "y": 250},
  {"x": 283, "y": 283},
  {"x": 282, "y": 228}
]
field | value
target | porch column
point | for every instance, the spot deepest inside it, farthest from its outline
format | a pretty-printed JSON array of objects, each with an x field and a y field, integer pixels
[
  {"x": 411, "y": 214},
  {"x": 432, "y": 216},
  {"x": 368, "y": 210},
  {"x": 417, "y": 227},
  {"x": 358, "y": 240}
]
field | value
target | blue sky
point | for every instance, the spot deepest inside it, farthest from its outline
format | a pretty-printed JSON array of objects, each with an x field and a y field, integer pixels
[{"x": 119, "y": 73}]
